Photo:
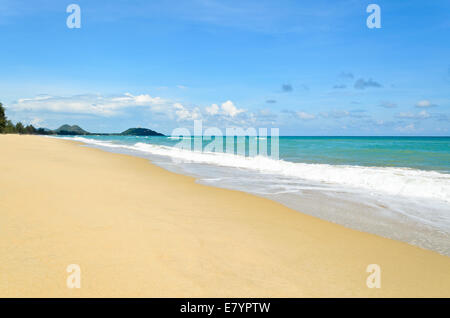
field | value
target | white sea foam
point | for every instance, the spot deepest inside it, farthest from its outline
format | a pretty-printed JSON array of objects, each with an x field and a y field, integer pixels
[{"x": 393, "y": 181}]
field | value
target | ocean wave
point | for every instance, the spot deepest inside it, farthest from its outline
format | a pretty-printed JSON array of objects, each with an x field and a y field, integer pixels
[{"x": 389, "y": 180}]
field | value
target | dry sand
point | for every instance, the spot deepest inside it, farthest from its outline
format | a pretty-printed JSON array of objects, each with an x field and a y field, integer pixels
[{"x": 137, "y": 230}]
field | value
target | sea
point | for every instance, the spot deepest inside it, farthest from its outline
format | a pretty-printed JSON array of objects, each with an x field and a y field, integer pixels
[{"x": 395, "y": 187}]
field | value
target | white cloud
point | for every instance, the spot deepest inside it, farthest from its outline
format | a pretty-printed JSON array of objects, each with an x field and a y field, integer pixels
[
  {"x": 96, "y": 104},
  {"x": 107, "y": 106},
  {"x": 87, "y": 104},
  {"x": 407, "y": 128},
  {"x": 144, "y": 99},
  {"x": 183, "y": 113},
  {"x": 421, "y": 115},
  {"x": 305, "y": 116},
  {"x": 212, "y": 110},
  {"x": 227, "y": 109},
  {"x": 424, "y": 103}
]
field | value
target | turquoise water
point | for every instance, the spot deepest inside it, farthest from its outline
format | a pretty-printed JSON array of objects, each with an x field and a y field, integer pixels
[
  {"x": 427, "y": 153},
  {"x": 424, "y": 153}
]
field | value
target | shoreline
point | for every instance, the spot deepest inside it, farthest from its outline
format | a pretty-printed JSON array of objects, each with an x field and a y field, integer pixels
[
  {"x": 397, "y": 217},
  {"x": 138, "y": 230}
]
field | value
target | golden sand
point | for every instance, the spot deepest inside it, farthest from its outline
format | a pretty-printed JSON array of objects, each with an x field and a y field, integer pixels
[{"x": 137, "y": 230}]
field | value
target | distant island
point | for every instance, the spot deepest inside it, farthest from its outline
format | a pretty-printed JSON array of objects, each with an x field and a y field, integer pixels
[
  {"x": 70, "y": 130},
  {"x": 140, "y": 132},
  {"x": 76, "y": 130}
]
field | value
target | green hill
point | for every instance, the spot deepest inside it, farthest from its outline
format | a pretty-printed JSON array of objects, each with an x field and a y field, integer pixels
[
  {"x": 140, "y": 132},
  {"x": 77, "y": 130},
  {"x": 70, "y": 130}
]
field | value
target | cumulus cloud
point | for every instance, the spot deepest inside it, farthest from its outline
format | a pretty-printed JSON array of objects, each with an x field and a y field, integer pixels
[
  {"x": 425, "y": 103},
  {"x": 109, "y": 106},
  {"x": 184, "y": 114},
  {"x": 213, "y": 109},
  {"x": 227, "y": 109},
  {"x": 363, "y": 84},
  {"x": 95, "y": 104}
]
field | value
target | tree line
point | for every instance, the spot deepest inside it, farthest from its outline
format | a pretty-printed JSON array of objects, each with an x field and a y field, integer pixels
[{"x": 7, "y": 126}]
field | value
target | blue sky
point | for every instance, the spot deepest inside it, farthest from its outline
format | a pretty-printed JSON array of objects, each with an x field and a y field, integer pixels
[{"x": 307, "y": 67}]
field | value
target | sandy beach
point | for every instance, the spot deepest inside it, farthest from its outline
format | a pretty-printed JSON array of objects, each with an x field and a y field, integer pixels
[{"x": 137, "y": 230}]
